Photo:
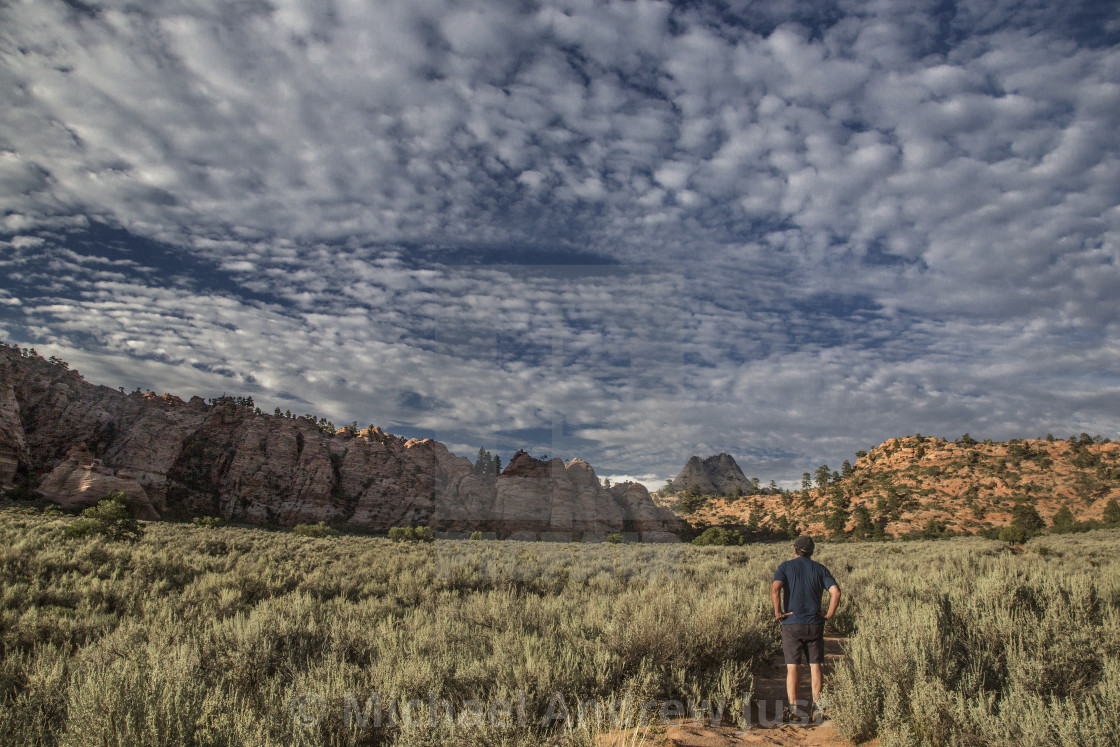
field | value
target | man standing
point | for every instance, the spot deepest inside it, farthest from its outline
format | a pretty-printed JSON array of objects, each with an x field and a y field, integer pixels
[{"x": 801, "y": 582}]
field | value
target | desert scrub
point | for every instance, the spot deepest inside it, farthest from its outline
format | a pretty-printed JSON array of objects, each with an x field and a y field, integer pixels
[
  {"x": 191, "y": 636},
  {"x": 413, "y": 534},
  {"x": 188, "y": 636},
  {"x": 980, "y": 645},
  {"x": 318, "y": 529}
]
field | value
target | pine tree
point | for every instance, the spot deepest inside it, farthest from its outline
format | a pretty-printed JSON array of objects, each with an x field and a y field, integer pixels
[
  {"x": 1112, "y": 512},
  {"x": 836, "y": 521},
  {"x": 1026, "y": 517},
  {"x": 823, "y": 475},
  {"x": 863, "y": 527},
  {"x": 1063, "y": 520},
  {"x": 483, "y": 464}
]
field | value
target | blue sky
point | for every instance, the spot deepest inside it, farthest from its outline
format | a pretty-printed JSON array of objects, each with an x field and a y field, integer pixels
[{"x": 623, "y": 231}]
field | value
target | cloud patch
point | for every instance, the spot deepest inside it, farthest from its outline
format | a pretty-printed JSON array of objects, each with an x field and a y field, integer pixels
[{"x": 646, "y": 229}]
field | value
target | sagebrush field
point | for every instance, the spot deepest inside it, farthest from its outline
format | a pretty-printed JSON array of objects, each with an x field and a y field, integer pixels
[{"x": 203, "y": 635}]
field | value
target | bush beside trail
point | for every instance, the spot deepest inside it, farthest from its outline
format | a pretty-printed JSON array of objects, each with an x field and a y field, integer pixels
[{"x": 970, "y": 644}]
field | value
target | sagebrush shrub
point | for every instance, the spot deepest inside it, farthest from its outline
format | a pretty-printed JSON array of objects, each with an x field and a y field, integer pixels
[
  {"x": 413, "y": 534},
  {"x": 193, "y": 637},
  {"x": 318, "y": 529}
]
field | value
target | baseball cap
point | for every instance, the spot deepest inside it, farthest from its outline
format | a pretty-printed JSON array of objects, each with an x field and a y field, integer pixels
[{"x": 804, "y": 543}]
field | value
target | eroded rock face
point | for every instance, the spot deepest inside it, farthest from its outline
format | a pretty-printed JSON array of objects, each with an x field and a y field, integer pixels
[
  {"x": 81, "y": 481},
  {"x": 175, "y": 458},
  {"x": 718, "y": 475},
  {"x": 539, "y": 496},
  {"x": 13, "y": 448}
]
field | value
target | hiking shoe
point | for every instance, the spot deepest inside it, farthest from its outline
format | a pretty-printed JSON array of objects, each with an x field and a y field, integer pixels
[{"x": 794, "y": 716}]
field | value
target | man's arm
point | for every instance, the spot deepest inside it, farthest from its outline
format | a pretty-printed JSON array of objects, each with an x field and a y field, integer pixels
[
  {"x": 775, "y": 592},
  {"x": 833, "y": 602}
]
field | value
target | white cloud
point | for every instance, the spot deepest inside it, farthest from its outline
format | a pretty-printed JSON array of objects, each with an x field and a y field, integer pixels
[{"x": 835, "y": 226}]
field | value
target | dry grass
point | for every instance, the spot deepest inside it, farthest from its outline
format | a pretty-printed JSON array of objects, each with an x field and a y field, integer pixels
[
  {"x": 240, "y": 636},
  {"x": 964, "y": 644},
  {"x": 198, "y": 635}
]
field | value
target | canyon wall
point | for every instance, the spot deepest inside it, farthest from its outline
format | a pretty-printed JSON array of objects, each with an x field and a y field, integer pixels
[{"x": 74, "y": 442}]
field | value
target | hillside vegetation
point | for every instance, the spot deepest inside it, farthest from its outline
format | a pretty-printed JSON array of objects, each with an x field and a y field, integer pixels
[{"x": 920, "y": 485}]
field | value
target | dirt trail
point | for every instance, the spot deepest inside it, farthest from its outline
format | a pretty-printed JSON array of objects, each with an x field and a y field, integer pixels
[{"x": 765, "y": 727}]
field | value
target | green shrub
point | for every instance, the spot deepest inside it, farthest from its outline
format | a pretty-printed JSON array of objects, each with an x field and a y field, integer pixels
[
  {"x": 718, "y": 536},
  {"x": 318, "y": 529},
  {"x": 933, "y": 529},
  {"x": 84, "y": 528},
  {"x": 476, "y": 535},
  {"x": 615, "y": 539},
  {"x": 111, "y": 517},
  {"x": 1013, "y": 534},
  {"x": 210, "y": 522},
  {"x": 412, "y": 534}
]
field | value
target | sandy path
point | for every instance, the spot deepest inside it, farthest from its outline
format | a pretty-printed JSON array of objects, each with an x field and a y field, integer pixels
[{"x": 770, "y": 689}]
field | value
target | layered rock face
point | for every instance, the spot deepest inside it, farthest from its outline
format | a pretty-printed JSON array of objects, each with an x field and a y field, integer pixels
[
  {"x": 13, "y": 449},
  {"x": 75, "y": 442},
  {"x": 718, "y": 474},
  {"x": 566, "y": 501}
]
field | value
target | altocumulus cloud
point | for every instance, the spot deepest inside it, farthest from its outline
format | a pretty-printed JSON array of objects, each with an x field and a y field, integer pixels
[{"x": 627, "y": 231}]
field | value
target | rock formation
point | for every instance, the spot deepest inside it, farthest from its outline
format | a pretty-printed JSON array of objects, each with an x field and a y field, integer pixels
[
  {"x": 13, "y": 449},
  {"x": 716, "y": 475},
  {"x": 74, "y": 442},
  {"x": 82, "y": 481},
  {"x": 924, "y": 484}
]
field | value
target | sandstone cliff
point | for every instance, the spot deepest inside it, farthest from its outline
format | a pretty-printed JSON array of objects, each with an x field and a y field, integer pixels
[
  {"x": 74, "y": 442},
  {"x": 13, "y": 448},
  {"x": 718, "y": 475}
]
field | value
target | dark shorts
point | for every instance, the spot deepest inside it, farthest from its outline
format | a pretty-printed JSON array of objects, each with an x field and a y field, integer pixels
[{"x": 803, "y": 639}]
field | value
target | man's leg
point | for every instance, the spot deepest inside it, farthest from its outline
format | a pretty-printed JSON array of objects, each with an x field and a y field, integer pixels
[
  {"x": 791, "y": 685},
  {"x": 818, "y": 680},
  {"x": 792, "y": 651},
  {"x": 816, "y": 675}
]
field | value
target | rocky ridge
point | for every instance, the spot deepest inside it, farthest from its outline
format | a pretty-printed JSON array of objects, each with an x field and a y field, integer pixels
[
  {"x": 73, "y": 442},
  {"x": 964, "y": 486},
  {"x": 717, "y": 475}
]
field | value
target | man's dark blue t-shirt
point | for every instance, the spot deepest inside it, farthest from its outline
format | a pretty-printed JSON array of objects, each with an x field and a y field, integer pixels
[{"x": 803, "y": 580}]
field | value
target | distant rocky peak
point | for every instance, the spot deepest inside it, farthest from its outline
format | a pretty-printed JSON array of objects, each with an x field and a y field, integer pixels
[{"x": 718, "y": 474}]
